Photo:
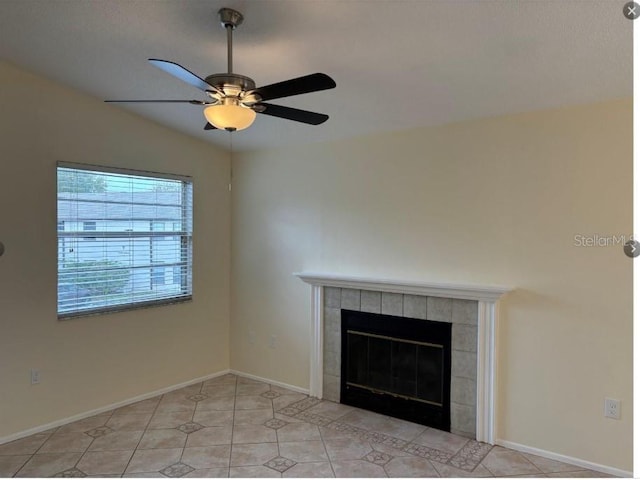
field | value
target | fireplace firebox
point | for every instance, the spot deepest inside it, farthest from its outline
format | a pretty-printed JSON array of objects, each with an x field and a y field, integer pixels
[{"x": 397, "y": 366}]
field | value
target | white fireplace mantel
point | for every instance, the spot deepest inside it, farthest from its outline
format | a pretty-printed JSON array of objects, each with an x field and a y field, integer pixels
[{"x": 487, "y": 297}]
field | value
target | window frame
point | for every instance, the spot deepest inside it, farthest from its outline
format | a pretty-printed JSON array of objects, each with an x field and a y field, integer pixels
[{"x": 185, "y": 234}]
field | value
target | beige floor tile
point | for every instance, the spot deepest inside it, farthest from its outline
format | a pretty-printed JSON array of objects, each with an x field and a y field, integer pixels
[
  {"x": 143, "y": 475},
  {"x": 226, "y": 402},
  {"x": 309, "y": 470},
  {"x": 131, "y": 422},
  {"x": 452, "y": 472},
  {"x": 153, "y": 460},
  {"x": 331, "y": 433},
  {"x": 48, "y": 464},
  {"x": 207, "y": 457},
  {"x": 209, "y": 473},
  {"x": 443, "y": 441},
  {"x": 579, "y": 474},
  {"x": 383, "y": 424},
  {"x": 287, "y": 418},
  {"x": 85, "y": 424},
  {"x": 394, "y": 452},
  {"x": 252, "y": 402},
  {"x": 253, "y": 434},
  {"x": 311, "y": 451},
  {"x": 282, "y": 390},
  {"x": 24, "y": 446},
  {"x": 501, "y": 462},
  {"x": 252, "y": 417},
  {"x": 253, "y": 472},
  {"x": 176, "y": 405},
  {"x": 144, "y": 406},
  {"x": 163, "y": 438},
  {"x": 214, "y": 418},
  {"x": 540, "y": 475},
  {"x": 346, "y": 449},
  {"x": 363, "y": 419},
  {"x": 362, "y": 449},
  {"x": 104, "y": 463},
  {"x": 550, "y": 466},
  {"x": 357, "y": 469},
  {"x": 285, "y": 400},
  {"x": 227, "y": 379},
  {"x": 252, "y": 388},
  {"x": 66, "y": 443},
  {"x": 169, "y": 420},
  {"x": 414, "y": 467},
  {"x": 10, "y": 464},
  {"x": 123, "y": 440},
  {"x": 253, "y": 454},
  {"x": 331, "y": 409},
  {"x": 247, "y": 381},
  {"x": 185, "y": 391},
  {"x": 220, "y": 391},
  {"x": 210, "y": 436},
  {"x": 298, "y": 432}
]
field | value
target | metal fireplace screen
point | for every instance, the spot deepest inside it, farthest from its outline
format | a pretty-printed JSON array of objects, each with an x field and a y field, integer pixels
[{"x": 397, "y": 366}]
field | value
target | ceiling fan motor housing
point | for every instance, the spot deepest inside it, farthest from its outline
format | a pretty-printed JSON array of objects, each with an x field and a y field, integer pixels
[{"x": 220, "y": 80}]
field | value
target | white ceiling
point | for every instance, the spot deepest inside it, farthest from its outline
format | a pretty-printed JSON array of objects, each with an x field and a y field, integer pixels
[{"x": 398, "y": 64}]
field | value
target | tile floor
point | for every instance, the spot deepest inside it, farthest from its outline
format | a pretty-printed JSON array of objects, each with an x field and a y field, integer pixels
[{"x": 235, "y": 427}]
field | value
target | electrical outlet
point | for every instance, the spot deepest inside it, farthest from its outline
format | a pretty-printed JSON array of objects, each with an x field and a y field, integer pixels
[
  {"x": 35, "y": 376},
  {"x": 612, "y": 408},
  {"x": 272, "y": 341}
]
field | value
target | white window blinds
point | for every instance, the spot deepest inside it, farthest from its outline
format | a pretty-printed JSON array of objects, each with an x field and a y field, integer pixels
[{"x": 124, "y": 239}]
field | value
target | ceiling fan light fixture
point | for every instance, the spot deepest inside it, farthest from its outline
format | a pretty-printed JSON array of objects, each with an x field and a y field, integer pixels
[{"x": 230, "y": 117}]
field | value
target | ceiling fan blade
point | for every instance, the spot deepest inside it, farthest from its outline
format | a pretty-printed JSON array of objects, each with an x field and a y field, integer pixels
[
  {"x": 294, "y": 114},
  {"x": 182, "y": 73},
  {"x": 192, "y": 102},
  {"x": 296, "y": 86},
  {"x": 208, "y": 126}
]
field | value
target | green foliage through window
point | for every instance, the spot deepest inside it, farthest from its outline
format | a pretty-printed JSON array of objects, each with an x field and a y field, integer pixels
[
  {"x": 80, "y": 182},
  {"x": 100, "y": 277}
]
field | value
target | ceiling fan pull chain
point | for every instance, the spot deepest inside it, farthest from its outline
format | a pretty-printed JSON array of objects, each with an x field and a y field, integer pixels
[{"x": 230, "y": 160}]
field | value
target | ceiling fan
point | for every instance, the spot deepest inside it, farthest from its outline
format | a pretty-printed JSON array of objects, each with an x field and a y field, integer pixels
[{"x": 233, "y": 99}]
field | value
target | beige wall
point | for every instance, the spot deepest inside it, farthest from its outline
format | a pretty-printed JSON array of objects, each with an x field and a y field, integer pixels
[
  {"x": 494, "y": 201},
  {"x": 90, "y": 362}
]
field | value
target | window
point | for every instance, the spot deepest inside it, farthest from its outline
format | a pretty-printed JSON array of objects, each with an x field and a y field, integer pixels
[
  {"x": 123, "y": 264},
  {"x": 157, "y": 276},
  {"x": 89, "y": 227}
]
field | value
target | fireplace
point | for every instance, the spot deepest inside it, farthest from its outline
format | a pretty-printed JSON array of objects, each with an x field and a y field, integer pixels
[
  {"x": 397, "y": 366},
  {"x": 471, "y": 309}
]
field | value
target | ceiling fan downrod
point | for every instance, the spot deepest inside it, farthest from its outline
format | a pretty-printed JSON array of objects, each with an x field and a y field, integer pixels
[{"x": 230, "y": 19}]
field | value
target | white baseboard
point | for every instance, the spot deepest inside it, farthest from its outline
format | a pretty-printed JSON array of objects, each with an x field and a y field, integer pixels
[
  {"x": 271, "y": 382},
  {"x": 106, "y": 408},
  {"x": 565, "y": 459}
]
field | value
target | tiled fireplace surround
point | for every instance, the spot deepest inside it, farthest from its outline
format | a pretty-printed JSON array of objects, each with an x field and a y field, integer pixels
[
  {"x": 462, "y": 314},
  {"x": 470, "y": 309}
]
